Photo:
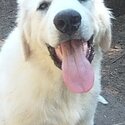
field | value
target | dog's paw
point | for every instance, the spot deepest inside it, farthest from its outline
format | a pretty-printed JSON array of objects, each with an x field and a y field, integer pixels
[{"x": 102, "y": 100}]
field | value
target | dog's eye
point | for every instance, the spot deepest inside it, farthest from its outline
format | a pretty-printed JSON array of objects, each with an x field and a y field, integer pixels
[
  {"x": 82, "y": 0},
  {"x": 44, "y": 6}
]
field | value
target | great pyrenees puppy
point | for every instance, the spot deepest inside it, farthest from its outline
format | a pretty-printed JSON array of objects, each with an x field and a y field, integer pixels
[{"x": 50, "y": 63}]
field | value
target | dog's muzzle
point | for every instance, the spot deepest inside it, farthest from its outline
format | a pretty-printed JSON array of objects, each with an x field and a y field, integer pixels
[
  {"x": 74, "y": 58},
  {"x": 89, "y": 54},
  {"x": 67, "y": 22},
  {"x": 73, "y": 55}
]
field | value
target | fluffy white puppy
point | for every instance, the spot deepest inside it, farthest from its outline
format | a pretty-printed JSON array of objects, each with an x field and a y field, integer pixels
[{"x": 50, "y": 64}]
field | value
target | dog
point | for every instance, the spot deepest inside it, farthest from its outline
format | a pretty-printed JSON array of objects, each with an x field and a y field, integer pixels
[{"x": 50, "y": 63}]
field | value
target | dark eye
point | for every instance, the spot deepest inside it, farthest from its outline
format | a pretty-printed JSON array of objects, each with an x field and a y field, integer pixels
[
  {"x": 82, "y": 0},
  {"x": 44, "y": 6}
]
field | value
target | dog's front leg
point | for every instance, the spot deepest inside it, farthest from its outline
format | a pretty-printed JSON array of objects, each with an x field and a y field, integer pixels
[{"x": 86, "y": 122}]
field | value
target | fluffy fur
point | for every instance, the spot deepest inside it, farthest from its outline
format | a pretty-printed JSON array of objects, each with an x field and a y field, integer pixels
[{"x": 32, "y": 91}]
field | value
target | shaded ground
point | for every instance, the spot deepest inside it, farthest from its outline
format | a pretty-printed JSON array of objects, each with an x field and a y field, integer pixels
[
  {"x": 113, "y": 79},
  {"x": 117, "y": 6},
  {"x": 7, "y": 17}
]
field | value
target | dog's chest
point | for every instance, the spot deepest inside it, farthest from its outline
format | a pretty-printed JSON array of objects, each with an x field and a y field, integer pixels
[{"x": 60, "y": 112}]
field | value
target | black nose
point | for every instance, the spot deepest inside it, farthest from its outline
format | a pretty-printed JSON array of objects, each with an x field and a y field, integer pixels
[{"x": 67, "y": 21}]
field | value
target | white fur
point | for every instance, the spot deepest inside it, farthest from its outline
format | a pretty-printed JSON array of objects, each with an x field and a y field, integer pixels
[
  {"x": 32, "y": 91},
  {"x": 102, "y": 100}
]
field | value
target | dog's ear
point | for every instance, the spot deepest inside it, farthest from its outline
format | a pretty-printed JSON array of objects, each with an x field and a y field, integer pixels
[
  {"x": 105, "y": 40},
  {"x": 26, "y": 48},
  {"x": 23, "y": 23},
  {"x": 105, "y": 32},
  {"x": 103, "y": 20},
  {"x": 25, "y": 37}
]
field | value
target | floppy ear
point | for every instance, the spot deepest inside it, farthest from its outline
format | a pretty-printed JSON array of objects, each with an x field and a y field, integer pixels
[
  {"x": 23, "y": 23},
  {"x": 105, "y": 40},
  {"x": 26, "y": 48},
  {"x": 105, "y": 31},
  {"x": 25, "y": 38},
  {"x": 104, "y": 15}
]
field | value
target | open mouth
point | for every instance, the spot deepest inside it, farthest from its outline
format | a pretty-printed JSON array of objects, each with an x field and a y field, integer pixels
[
  {"x": 57, "y": 57},
  {"x": 74, "y": 58}
]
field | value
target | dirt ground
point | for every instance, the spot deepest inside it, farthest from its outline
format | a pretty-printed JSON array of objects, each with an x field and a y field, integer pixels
[
  {"x": 114, "y": 62},
  {"x": 113, "y": 78},
  {"x": 113, "y": 73}
]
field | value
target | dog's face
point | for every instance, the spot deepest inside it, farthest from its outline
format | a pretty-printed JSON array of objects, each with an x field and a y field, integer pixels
[
  {"x": 94, "y": 20},
  {"x": 69, "y": 29}
]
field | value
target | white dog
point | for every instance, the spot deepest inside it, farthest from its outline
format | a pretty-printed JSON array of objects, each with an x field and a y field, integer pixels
[{"x": 50, "y": 64}]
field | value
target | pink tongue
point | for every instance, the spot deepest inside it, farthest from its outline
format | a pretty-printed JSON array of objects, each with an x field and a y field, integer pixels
[{"x": 78, "y": 73}]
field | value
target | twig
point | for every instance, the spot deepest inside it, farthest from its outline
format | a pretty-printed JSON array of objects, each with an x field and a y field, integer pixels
[
  {"x": 118, "y": 58},
  {"x": 120, "y": 123}
]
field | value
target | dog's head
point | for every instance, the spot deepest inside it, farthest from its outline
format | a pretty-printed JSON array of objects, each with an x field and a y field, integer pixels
[{"x": 69, "y": 29}]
